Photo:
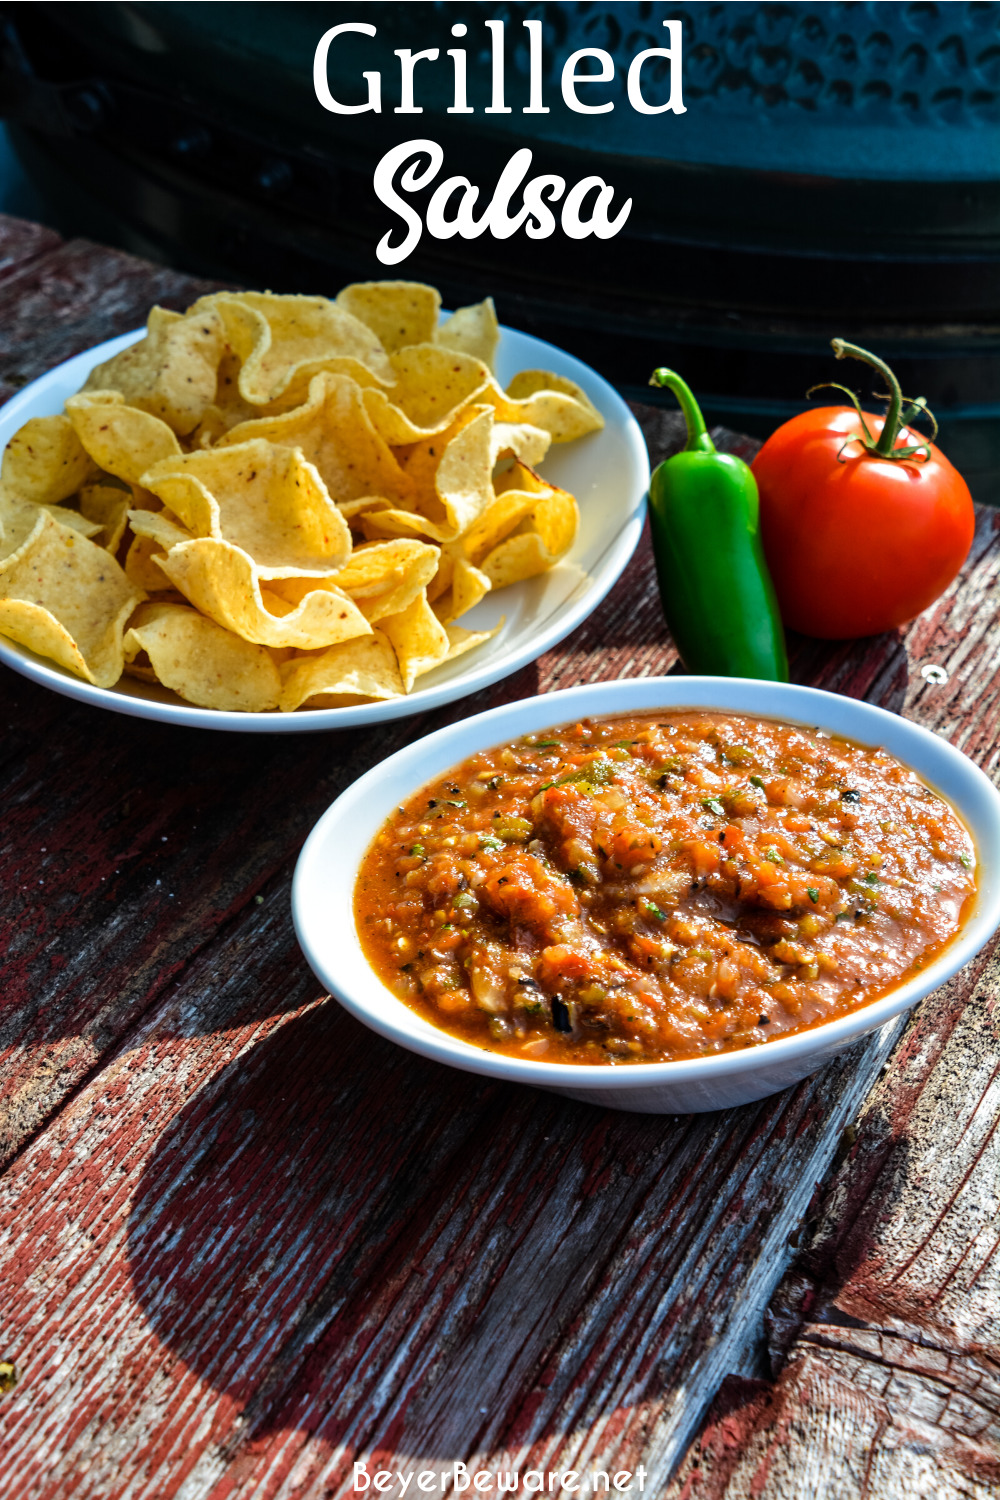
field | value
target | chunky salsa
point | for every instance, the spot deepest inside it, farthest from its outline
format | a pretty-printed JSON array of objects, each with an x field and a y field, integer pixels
[{"x": 656, "y": 887}]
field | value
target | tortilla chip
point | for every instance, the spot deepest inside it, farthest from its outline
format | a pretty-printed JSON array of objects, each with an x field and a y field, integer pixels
[
  {"x": 452, "y": 475},
  {"x": 361, "y": 671},
  {"x": 558, "y": 405},
  {"x": 66, "y": 598},
  {"x": 201, "y": 662},
  {"x": 76, "y": 522},
  {"x": 432, "y": 386},
  {"x": 465, "y": 587},
  {"x": 538, "y": 542},
  {"x": 384, "y": 577},
  {"x": 503, "y": 514},
  {"x": 122, "y": 440},
  {"x": 351, "y": 508},
  {"x": 520, "y": 440},
  {"x": 418, "y": 638},
  {"x": 397, "y": 312},
  {"x": 335, "y": 433},
  {"x": 162, "y": 527},
  {"x": 264, "y": 499},
  {"x": 107, "y": 506},
  {"x": 142, "y": 566},
  {"x": 461, "y": 640},
  {"x": 45, "y": 461},
  {"x": 171, "y": 373},
  {"x": 283, "y": 341},
  {"x": 214, "y": 424},
  {"x": 472, "y": 330},
  {"x": 223, "y": 582}
]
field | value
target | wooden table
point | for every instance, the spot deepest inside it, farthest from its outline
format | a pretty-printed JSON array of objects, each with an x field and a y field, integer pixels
[{"x": 247, "y": 1244}]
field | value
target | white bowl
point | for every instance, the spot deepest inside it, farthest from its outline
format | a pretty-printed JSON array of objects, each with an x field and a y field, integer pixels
[
  {"x": 323, "y": 889},
  {"x": 607, "y": 471}
]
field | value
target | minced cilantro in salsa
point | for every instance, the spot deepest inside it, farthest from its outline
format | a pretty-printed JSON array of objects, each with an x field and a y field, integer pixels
[{"x": 649, "y": 888}]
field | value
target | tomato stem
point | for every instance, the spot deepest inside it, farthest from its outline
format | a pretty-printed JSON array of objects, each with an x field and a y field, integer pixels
[
  {"x": 895, "y": 418},
  {"x": 890, "y": 427}
]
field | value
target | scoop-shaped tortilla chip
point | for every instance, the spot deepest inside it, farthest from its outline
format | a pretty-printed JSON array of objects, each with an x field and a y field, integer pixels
[
  {"x": 283, "y": 341},
  {"x": 552, "y": 402},
  {"x": 397, "y": 312},
  {"x": 66, "y": 598},
  {"x": 418, "y": 638},
  {"x": 452, "y": 474},
  {"x": 359, "y": 671},
  {"x": 201, "y": 662},
  {"x": 502, "y": 515},
  {"x": 384, "y": 577},
  {"x": 432, "y": 386},
  {"x": 351, "y": 508},
  {"x": 472, "y": 330},
  {"x": 335, "y": 433},
  {"x": 520, "y": 440},
  {"x": 543, "y": 534},
  {"x": 264, "y": 499},
  {"x": 163, "y": 528},
  {"x": 122, "y": 440},
  {"x": 464, "y": 589},
  {"x": 170, "y": 373},
  {"x": 107, "y": 506},
  {"x": 153, "y": 534},
  {"x": 223, "y": 582},
  {"x": 45, "y": 461},
  {"x": 77, "y": 522},
  {"x": 142, "y": 567}
]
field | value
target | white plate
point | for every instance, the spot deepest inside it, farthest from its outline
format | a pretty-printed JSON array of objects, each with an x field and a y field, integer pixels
[
  {"x": 607, "y": 471},
  {"x": 323, "y": 889}
]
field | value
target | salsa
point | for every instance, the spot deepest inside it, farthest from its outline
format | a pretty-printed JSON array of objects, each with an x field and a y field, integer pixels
[{"x": 654, "y": 887}]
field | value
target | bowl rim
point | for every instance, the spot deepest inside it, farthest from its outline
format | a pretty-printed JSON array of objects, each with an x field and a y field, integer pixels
[
  {"x": 369, "y": 800},
  {"x": 601, "y": 576}
]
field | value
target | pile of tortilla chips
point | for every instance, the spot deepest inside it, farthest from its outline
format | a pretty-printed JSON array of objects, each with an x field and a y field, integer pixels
[{"x": 282, "y": 502}]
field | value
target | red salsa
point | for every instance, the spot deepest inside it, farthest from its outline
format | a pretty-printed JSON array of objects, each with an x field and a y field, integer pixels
[{"x": 649, "y": 888}]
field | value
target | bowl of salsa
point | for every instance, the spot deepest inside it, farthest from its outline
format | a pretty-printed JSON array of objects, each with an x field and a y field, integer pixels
[{"x": 661, "y": 895}]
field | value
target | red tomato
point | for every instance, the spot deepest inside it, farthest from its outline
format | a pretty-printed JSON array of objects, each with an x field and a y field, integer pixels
[{"x": 857, "y": 544}]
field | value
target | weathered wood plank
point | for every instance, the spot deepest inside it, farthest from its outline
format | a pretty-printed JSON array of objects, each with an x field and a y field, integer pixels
[
  {"x": 275, "y": 1270},
  {"x": 21, "y": 241},
  {"x": 816, "y": 1433},
  {"x": 72, "y": 296},
  {"x": 897, "y": 1298},
  {"x": 248, "y": 1241},
  {"x": 655, "y": 1223}
]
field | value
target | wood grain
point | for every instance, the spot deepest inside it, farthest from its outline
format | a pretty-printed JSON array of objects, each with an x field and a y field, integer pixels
[
  {"x": 247, "y": 1242},
  {"x": 887, "y": 1330}
]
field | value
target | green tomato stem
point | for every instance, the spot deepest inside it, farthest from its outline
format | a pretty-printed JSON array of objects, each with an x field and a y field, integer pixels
[{"x": 890, "y": 428}]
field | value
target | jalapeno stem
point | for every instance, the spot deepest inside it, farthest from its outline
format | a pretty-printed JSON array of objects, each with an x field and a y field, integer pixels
[{"x": 698, "y": 440}]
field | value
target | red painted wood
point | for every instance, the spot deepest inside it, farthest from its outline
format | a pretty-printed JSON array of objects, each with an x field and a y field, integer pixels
[
  {"x": 246, "y": 1242},
  {"x": 886, "y": 1332}
]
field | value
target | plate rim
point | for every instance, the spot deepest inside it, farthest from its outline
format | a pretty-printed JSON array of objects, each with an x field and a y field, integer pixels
[{"x": 613, "y": 560}]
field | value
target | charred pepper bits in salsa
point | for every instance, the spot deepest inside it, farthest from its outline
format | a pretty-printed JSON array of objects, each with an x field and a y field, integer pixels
[{"x": 643, "y": 889}]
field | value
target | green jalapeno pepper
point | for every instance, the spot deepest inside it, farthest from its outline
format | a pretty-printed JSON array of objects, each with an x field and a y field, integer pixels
[{"x": 717, "y": 594}]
